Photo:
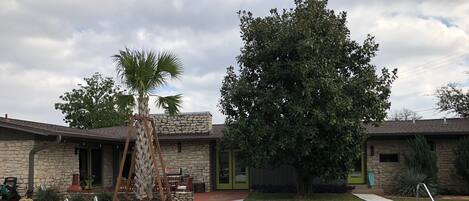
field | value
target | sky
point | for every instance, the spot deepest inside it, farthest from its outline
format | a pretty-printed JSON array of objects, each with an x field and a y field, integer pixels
[{"x": 48, "y": 47}]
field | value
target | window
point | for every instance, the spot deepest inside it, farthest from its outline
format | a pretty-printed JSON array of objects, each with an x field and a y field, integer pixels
[
  {"x": 179, "y": 147},
  {"x": 372, "y": 150},
  {"x": 383, "y": 158}
]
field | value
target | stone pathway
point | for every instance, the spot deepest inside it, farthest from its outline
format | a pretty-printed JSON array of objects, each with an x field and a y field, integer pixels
[{"x": 371, "y": 197}]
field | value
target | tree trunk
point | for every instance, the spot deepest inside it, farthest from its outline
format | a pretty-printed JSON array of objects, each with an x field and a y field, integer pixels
[
  {"x": 303, "y": 183},
  {"x": 144, "y": 178}
]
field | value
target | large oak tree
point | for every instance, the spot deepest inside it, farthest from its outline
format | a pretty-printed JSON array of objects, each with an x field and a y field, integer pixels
[
  {"x": 97, "y": 103},
  {"x": 303, "y": 92}
]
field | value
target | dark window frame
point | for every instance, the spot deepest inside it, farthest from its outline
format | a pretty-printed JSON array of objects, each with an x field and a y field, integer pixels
[{"x": 389, "y": 158}]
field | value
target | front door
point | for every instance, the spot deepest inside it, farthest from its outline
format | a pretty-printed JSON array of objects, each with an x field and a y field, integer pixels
[
  {"x": 357, "y": 176},
  {"x": 230, "y": 173},
  {"x": 90, "y": 166}
]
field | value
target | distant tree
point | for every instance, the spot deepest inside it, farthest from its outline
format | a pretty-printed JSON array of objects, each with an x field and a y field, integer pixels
[
  {"x": 404, "y": 114},
  {"x": 453, "y": 99},
  {"x": 97, "y": 103},
  {"x": 303, "y": 92}
]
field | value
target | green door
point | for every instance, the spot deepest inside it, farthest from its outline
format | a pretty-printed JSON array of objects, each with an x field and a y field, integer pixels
[
  {"x": 357, "y": 176},
  {"x": 230, "y": 174}
]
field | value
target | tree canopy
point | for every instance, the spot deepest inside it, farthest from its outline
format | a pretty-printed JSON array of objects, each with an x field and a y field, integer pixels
[
  {"x": 303, "y": 92},
  {"x": 97, "y": 103},
  {"x": 453, "y": 99}
]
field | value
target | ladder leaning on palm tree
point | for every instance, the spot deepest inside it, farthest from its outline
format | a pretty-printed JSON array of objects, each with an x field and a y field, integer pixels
[
  {"x": 155, "y": 152},
  {"x": 143, "y": 72}
]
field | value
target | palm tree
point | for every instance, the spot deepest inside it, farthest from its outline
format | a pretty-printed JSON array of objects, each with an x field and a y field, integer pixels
[{"x": 142, "y": 72}]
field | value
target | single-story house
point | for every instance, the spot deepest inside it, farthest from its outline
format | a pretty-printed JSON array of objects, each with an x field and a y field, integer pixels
[{"x": 45, "y": 154}]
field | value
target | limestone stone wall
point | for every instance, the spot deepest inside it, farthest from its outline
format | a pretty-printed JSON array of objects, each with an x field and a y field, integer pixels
[
  {"x": 55, "y": 166},
  {"x": 184, "y": 123},
  {"x": 385, "y": 172},
  {"x": 194, "y": 159},
  {"x": 107, "y": 165},
  {"x": 14, "y": 156}
]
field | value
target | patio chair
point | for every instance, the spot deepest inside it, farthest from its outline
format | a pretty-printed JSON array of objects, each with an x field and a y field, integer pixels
[{"x": 185, "y": 185}]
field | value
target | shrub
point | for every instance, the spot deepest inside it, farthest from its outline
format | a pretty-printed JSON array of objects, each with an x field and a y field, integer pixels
[
  {"x": 423, "y": 159},
  {"x": 104, "y": 196},
  {"x": 49, "y": 194},
  {"x": 462, "y": 159},
  {"x": 421, "y": 167},
  {"x": 406, "y": 183},
  {"x": 78, "y": 197}
]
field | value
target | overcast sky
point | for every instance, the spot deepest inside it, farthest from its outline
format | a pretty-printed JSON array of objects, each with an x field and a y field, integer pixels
[{"x": 47, "y": 47}]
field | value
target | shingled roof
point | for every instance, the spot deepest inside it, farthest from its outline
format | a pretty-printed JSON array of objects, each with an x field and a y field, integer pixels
[
  {"x": 451, "y": 126},
  {"x": 52, "y": 130},
  {"x": 111, "y": 134},
  {"x": 120, "y": 132}
]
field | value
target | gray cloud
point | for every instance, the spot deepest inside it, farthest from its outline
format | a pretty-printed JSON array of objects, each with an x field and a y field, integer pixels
[{"x": 49, "y": 46}]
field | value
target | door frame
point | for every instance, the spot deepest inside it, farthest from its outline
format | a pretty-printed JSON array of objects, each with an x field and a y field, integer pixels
[
  {"x": 231, "y": 185},
  {"x": 89, "y": 161},
  {"x": 359, "y": 179}
]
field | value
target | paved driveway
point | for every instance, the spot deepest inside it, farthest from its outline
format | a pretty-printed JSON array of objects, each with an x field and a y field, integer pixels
[{"x": 221, "y": 196}]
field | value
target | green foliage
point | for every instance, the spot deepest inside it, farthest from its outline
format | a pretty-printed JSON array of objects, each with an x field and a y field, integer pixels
[
  {"x": 421, "y": 167},
  {"x": 452, "y": 99},
  {"x": 96, "y": 104},
  {"x": 78, "y": 197},
  {"x": 406, "y": 182},
  {"x": 303, "y": 91},
  {"x": 423, "y": 159},
  {"x": 143, "y": 72},
  {"x": 49, "y": 194},
  {"x": 462, "y": 159},
  {"x": 104, "y": 196}
]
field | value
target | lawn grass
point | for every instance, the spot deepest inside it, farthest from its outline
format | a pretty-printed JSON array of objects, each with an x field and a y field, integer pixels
[{"x": 292, "y": 197}]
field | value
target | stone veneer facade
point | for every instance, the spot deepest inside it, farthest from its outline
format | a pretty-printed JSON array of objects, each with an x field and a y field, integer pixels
[
  {"x": 184, "y": 123},
  {"x": 194, "y": 159},
  {"x": 386, "y": 172},
  {"x": 53, "y": 166},
  {"x": 14, "y": 156},
  {"x": 108, "y": 171}
]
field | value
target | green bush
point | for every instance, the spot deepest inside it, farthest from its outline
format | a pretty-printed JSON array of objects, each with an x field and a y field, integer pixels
[
  {"x": 78, "y": 197},
  {"x": 423, "y": 159},
  {"x": 104, "y": 196},
  {"x": 49, "y": 194},
  {"x": 421, "y": 167},
  {"x": 462, "y": 159},
  {"x": 406, "y": 183}
]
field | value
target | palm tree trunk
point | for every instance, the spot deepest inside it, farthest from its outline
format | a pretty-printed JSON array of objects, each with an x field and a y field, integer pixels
[{"x": 144, "y": 178}]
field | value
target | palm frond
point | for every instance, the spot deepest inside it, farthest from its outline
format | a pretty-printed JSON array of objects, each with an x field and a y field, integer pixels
[
  {"x": 124, "y": 101},
  {"x": 143, "y": 71},
  {"x": 170, "y": 64},
  {"x": 170, "y": 104}
]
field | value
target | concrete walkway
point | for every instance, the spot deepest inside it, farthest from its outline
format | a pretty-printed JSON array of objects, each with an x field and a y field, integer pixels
[{"x": 371, "y": 197}]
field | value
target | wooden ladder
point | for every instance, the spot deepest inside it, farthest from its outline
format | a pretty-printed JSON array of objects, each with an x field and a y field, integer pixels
[{"x": 155, "y": 152}]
